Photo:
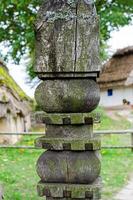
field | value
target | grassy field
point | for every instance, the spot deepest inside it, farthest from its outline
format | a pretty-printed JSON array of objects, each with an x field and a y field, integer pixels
[{"x": 19, "y": 178}]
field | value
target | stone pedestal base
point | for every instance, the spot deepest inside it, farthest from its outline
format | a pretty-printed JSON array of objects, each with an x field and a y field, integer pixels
[{"x": 72, "y": 157}]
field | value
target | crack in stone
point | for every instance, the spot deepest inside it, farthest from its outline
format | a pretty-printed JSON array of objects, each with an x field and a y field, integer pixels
[
  {"x": 67, "y": 168},
  {"x": 76, "y": 32}
]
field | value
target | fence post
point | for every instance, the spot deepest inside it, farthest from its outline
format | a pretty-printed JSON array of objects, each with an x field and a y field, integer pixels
[{"x": 132, "y": 141}]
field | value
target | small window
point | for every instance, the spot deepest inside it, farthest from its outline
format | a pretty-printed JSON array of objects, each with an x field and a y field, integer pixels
[{"x": 110, "y": 92}]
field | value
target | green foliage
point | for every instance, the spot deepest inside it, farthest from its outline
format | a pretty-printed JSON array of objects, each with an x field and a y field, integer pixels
[
  {"x": 113, "y": 14},
  {"x": 16, "y": 26},
  {"x": 17, "y": 19}
]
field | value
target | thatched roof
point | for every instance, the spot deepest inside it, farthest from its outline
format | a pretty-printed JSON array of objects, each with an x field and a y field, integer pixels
[
  {"x": 3, "y": 64},
  {"x": 122, "y": 52},
  {"x": 118, "y": 71},
  {"x": 12, "y": 97}
]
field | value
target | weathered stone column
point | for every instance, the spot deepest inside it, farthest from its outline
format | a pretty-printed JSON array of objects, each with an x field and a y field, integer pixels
[{"x": 67, "y": 62}]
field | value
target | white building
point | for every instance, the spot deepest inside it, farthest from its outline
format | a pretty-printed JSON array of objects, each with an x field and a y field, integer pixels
[
  {"x": 116, "y": 79},
  {"x": 15, "y": 107}
]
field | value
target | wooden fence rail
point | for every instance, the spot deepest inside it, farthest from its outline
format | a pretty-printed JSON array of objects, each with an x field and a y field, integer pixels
[
  {"x": 122, "y": 132},
  {"x": 24, "y": 133},
  {"x": 102, "y": 132}
]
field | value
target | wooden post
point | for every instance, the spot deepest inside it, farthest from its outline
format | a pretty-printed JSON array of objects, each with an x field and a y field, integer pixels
[{"x": 67, "y": 62}]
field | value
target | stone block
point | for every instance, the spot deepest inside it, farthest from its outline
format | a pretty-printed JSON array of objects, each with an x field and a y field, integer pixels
[
  {"x": 72, "y": 191},
  {"x": 67, "y": 39},
  {"x": 68, "y": 96},
  {"x": 73, "y": 130},
  {"x": 75, "y": 118},
  {"x": 69, "y": 166},
  {"x": 73, "y": 144}
]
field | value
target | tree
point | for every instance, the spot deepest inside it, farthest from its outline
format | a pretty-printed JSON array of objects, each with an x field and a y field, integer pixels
[
  {"x": 18, "y": 16},
  {"x": 113, "y": 15}
]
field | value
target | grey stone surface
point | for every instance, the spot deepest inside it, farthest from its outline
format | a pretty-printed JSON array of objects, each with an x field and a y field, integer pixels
[
  {"x": 74, "y": 118},
  {"x": 67, "y": 38},
  {"x": 59, "y": 75},
  {"x": 69, "y": 167},
  {"x": 73, "y": 191},
  {"x": 70, "y": 131},
  {"x": 68, "y": 96},
  {"x": 66, "y": 143}
]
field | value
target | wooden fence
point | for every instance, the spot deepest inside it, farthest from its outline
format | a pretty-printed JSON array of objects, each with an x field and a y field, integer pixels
[{"x": 102, "y": 132}]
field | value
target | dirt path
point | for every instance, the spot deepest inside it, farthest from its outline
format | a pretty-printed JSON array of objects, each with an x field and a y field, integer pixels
[{"x": 126, "y": 193}]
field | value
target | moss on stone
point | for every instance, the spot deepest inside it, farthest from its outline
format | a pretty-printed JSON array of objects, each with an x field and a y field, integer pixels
[
  {"x": 56, "y": 118},
  {"x": 51, "y": 165},
  {"x": 77, "y": 119},
  {"x": 8, "y": 81},
  {"x": 76, "y": 189},
  {"x": 75, "y": 144},
  {"x": 4, "y": 98}
]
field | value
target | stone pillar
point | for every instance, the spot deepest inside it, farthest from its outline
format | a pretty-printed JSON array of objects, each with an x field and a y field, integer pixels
[{"x": 67, "y": 62}]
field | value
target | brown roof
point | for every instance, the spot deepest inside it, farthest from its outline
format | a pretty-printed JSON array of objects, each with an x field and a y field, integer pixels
[
  {"x": 118, "y": 69},
  {"x": 122, "y": 52}
]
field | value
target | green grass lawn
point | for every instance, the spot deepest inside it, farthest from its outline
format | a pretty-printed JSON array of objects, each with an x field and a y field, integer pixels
[{"x": 18, "y": 173}]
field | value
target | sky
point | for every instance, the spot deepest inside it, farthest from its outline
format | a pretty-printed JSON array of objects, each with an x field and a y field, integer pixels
[{"x": 119, "y": 39}]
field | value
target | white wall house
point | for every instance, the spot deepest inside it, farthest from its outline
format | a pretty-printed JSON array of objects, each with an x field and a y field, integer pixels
[
  {"x": 116, "y": 79},
  {"x": 15, "y": 107},
  {"x": 115, "y": 96}
]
